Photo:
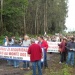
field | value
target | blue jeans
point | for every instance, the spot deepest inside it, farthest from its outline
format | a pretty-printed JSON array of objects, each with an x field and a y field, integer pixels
[
  {"x": 16, "y": 63},
  {"x": 38, "y": 63},
  {"x": 70, "y": 59},
  {"x": 10, "y": 62},
  {"x": 45, "y": 59},
  {"x": 26, "y": 64}
]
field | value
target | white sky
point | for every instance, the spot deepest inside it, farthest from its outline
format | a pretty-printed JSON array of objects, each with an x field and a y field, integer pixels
[{"x": 70, "y": 21}]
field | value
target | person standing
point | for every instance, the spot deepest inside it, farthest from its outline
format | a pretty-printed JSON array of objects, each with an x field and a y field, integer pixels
[
  {"x": 10, "y": 62},
  {"x": 26, "y": 43},
  {"x": 13, "y": 40},
  {"x": 62, "y": 48},
  {"x": 70, "y": 48},
  {"x": 13, "y": 62},
  {"x": 16, "y": 62},
  {"x": 6, "y": 40},
  {"x": 43, "y": 44},
  {"x": 35, "y": 52}
]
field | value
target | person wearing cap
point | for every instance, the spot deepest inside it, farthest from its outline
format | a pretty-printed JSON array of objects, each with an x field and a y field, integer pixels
[
  {"x": 35, "y": 52},
  {"x": 62, "y": 47},
  {"x": 71, "y": 48}
]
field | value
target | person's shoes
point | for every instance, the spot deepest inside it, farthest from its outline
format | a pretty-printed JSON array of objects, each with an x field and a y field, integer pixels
[
  {"x": 23, "y": 68},
  {"x": 28, "y": 68},
  {"x": 60, "y": 62},
  {"x": 45, "y": 67}
]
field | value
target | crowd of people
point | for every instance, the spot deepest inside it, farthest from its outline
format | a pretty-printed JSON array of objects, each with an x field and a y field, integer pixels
[
  {"x": 35, "y": 51},
  {"x": 66, "y": 50}
]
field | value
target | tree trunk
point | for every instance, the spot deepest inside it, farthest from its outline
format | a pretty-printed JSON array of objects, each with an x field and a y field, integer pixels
[
  {"x": 1, "y": 16},
  {"x": 45, "y": 17},
  {"x": 24, "y": 22},
  {"x": 36, "y": 20}
]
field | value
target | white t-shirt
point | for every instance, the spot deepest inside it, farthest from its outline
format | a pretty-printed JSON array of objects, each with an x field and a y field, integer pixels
[
  {"x": 6, "y": 43},
  {"x": 26, "y": 43}
]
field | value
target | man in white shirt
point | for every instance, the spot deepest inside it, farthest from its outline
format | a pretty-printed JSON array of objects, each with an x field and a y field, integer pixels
[{"x": 26, "y": 43}]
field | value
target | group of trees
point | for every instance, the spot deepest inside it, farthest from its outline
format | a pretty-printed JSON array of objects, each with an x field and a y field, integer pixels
[{"x": 32, "y": 16}]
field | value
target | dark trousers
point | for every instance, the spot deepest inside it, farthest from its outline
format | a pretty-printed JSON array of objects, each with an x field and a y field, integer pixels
[
  {"x": 45, "y": 59},
  {"x": 26, "y": 64},
  {"x": 63, "y": 57}
]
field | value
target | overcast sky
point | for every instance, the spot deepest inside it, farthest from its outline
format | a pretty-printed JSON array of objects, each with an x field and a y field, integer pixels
[{"x": 70, "y": 21}]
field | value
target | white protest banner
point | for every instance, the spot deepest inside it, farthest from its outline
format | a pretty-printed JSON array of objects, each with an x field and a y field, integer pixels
[
  {"x": 16, "y": 53},
  {"x": 53, "y": 47}
]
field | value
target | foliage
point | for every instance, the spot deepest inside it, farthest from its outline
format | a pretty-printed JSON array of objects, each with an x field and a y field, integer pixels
[
  {"x": 1, "y": 39},
  {"x": 33, "y": 16}
]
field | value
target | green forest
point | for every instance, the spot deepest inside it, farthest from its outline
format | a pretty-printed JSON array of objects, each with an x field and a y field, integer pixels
[{"x": 32, "y": 16}]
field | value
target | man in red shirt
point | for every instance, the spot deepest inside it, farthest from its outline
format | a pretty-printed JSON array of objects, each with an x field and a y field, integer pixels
[
  {"x": 35, "y": 52},
  {"x": 43, "y": 44}
]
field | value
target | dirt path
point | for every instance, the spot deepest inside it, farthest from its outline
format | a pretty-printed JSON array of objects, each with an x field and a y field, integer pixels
[{"x": 53, "y": 65}]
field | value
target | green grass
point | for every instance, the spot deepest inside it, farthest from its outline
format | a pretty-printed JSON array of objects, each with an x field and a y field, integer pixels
[{"x": 64, "y": 71}]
